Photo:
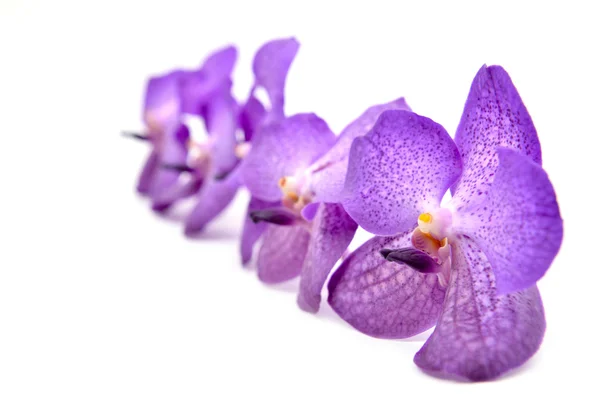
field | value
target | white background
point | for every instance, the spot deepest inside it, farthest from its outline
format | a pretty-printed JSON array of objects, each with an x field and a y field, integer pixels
[{"x": 102, "y": 299}]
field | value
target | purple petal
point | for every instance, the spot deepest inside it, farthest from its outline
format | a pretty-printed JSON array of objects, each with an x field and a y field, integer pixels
[
  {"x": 172, "y": 151},
  {"x": 220, "y": 63},
  {"x": 271, "y": 64},
  {"x": 148, "y": 171},
  {"x": 481, "y": 334},
  {"x": 253, "y": 230},
  {"x": 400, "y": 169},
  {"x": 162, "y": 103},
  {"x": 283, "y": 148},
  {"x": 332, "y": 232},
  {"x": 382, "y": 298},
  {"x": 251, "y": 117},
  {"x": 222, "y": 123},
  {"x": 518, "y": 225},
  {"x": 329, "y": 174},
  {"x": 310, "y": 211},
  {"x": 199, "y": 86},
  {"x": 282, "y": 253},
  {"x": 176, "y": 192},
  {"x": 214, "y": 197},
  {"x": 494, "y": 116}
]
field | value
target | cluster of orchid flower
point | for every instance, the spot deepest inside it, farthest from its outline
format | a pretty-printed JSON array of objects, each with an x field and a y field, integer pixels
[{"x": 468, "y": 267}]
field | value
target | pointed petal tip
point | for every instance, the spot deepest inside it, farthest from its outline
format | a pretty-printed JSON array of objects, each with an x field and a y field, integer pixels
[
  {"x": 310, "y": 306},
  {"x": 493, "y": 73},
  {"x": 475, "y": 376},
  {"x": 191, "y": 230}
]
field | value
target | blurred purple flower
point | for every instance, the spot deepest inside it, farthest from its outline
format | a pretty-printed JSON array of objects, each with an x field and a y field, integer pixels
[
  {"x": 180, "y": 166},
  {"x": 295, "y": 173},
  {"x": 203, "y": 92},
  {"x": 470, "y": 266},
  {"x": 270, "y": 67}
]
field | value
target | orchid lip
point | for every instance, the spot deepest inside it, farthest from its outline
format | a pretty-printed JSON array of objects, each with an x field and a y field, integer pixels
[
  {"x": 276, "y": 216},
  {"x": 416, "y": 259},
  {"x": 135, "y": 135}
]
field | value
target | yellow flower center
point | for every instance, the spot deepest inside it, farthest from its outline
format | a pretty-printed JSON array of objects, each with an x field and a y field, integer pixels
[{"x": 293, "y": 196}]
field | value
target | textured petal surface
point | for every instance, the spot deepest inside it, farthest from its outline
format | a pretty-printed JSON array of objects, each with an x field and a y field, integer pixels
[
  {"x": 332, "y": 232},
  {"x": 382, "y": 298},
  {"x": 480, "y": 334},
  {"x": 271, "y": 64},
  {"x": 214, "y": 197},
  {"x": 282, "y": 253},
  {"x": 494, "y": 116},
  {"x": 252, "y": 231},
  {"x": 518, "y": 225},
  {"x": 329, "y": 174},
  {"x": 284, "y": 148},
  {"x": 399, "y": 170}
]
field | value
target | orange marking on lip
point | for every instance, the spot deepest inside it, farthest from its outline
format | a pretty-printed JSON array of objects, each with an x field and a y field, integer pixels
[{"x": 292, "y": 196}]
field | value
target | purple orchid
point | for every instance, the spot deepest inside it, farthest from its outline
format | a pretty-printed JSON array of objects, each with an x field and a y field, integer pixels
[
  {"x": 204, "y": 92},
  {"x": 270, "y": 66},
  {"x": 295, "y": 173},
  {"x": 470, "y": 266}
]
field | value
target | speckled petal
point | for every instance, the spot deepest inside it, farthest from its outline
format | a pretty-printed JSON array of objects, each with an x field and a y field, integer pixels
[
  {"x": 329, "y": 174},
  {"x": 252, "y": 231},
  {"x": 400, "y": 169},
  {"x": 494, "y": 116},
  {"x": 283, "y": 148},
  {"x": 332, "y": 232},
  {"x": 271, "y": 64},
  {"x": 382, "y": 298},
  {"x": 481, "y": 335},
  {"x": 214, "y": 197},
  {"x": 518, "y": 225},
  {"x": 282, "y": 253}
]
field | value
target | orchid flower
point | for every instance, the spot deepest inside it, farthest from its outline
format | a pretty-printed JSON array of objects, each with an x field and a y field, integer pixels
[
  {"x": 270, "y": 67},
  {"x": 203, "y": 92},
  {"x": 471, "y": 265},
  {"x": 295, "y": 173}
]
